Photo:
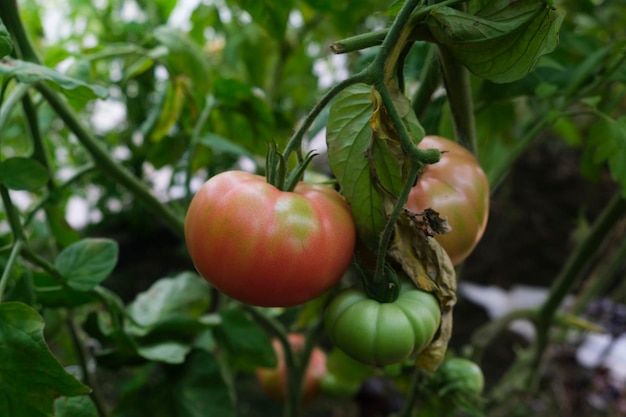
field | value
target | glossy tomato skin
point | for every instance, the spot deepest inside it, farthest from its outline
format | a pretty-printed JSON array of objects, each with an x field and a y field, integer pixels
[
  {"x": 267, "y": 247},
  {"x": 382, "y": 333},
  {"x": 458, "y": 189},
  {"x": 274, "y": 381}
]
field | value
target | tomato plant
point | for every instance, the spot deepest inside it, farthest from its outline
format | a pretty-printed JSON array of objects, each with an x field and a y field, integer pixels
[
  {"x": 382, "y": 333},
  {"x": 273, "y": 381},
  {"x": 266, "y": 247},
  {"x": 458, "y": 189},
  {"x": 110, "y": 115}
]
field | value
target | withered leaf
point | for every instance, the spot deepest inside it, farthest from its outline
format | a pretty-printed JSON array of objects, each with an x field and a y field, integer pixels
[{"x": 427, "y": 264}]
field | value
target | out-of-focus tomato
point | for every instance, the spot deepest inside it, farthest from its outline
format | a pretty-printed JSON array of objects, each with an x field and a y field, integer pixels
[
  {"x": 267, "y": 247},
  {"x": 461, "y": 374},
  {"x": 274, "y": 381},
  {"x": 458, "y": 189}
]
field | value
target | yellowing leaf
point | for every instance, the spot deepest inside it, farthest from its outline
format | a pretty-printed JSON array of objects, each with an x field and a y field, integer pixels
[{"x": 427, "y": 264}]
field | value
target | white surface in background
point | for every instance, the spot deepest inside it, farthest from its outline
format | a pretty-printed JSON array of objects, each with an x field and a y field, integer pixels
[
  {"x": 499, "y": 302},
  {"x": 594, "y": 350}
]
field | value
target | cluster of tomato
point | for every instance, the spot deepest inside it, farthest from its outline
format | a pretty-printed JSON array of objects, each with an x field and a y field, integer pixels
[{"x": 273, "y": 248}]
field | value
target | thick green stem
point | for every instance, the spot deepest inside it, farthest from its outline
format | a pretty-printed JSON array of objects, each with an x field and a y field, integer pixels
[
  {"x": 358, "y": 42},
  {"x": 567, "y": 278},
  {"x": 107, "y": 164},
  {"x": 418, "y": 158},
  {"x": 457, "y": 83},
  {"x": 391, "y": 44},
  {"x": 387, "y": 233},
  {"x": 375, "y": 38},
  {"x": 9, "y": 14}
]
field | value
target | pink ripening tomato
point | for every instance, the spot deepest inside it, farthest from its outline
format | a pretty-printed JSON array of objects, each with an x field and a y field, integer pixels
[
  {"x": 274, "y": 381},
  {"x": 267, "y": 247},
  {"x": 458, "y": 189}
]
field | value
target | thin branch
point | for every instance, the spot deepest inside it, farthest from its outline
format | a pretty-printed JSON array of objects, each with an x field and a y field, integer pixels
[{"x": 566, "y": 279}]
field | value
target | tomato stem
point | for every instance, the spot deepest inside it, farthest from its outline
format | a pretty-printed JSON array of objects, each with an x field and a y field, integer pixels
[
  {"x": 428, "y": 83},
  {"x": 385, "y": 238},
  {"x": 295, "y": 142},
  {"x": 8, "y": 268},
  {"x": 414, "y": 388},
  {"x": 459, "y": 91}
]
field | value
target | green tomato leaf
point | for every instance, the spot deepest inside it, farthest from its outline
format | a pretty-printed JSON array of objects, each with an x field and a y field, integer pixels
[
  {"x": 503, "y": 41},
  {"x": 354, "y": 154},
  {"x": 246, "y": 344},
  {"x": 87, "y": 263},
  {"x": 6, "y": 45},
  {"x": 31, "y": 377},
  {"x": 75, "y": 407},
  {"x": 21, "y": 173},
  {"x": 185, "y": 296},
  {"x": 29, "y": 73},
  {"x": 607, "y": 142}
]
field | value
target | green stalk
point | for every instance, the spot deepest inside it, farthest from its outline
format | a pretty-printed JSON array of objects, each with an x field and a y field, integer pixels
[
  {"x": 614, "y": 211},
  {"x": 12, "y": 214},
  {"x": 8, "y": 268},
  {"x": 459, "y": 91},
  {"x": 108, "y": 165},
  {"x": 195, "y": 139},
  {"x": 292, "y": 364},
  {"x": 371, "y": 39},
  {"x": 295, "y": 142},
  {"x": 10, "y": 16},
  {"x": 46, "y": 199},
  {"x": 600, "y": 279},
  {"x": 429, "y": 81},
  {"x": 413, "y": 391},
  {"x": 359, "y": 42},
  {"x": 11, "y": 102},
  {"x": 82, "y": 354}
]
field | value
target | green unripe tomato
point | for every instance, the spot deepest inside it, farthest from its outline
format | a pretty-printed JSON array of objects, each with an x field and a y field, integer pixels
[
  {"x": 382, "y": 333},
  {"x": 462, "y": 374}
]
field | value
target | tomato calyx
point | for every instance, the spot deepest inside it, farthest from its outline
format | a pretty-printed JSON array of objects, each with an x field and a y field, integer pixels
[
  {"x": 276, "y": 169},
  {"x": 384, "y": 290}
]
